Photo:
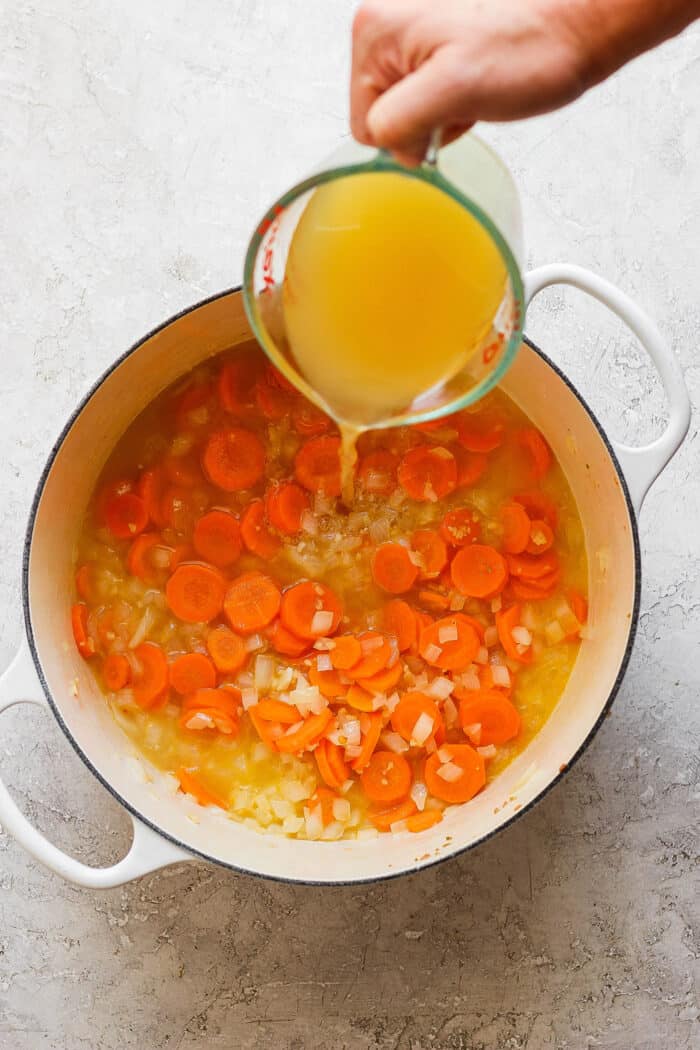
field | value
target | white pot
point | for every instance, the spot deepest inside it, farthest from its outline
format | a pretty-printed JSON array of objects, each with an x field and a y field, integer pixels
[{"x": 608, "y": 480}]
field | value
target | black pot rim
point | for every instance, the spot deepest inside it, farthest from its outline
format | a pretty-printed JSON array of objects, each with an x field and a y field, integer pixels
[{"x": 240, "y": 869}]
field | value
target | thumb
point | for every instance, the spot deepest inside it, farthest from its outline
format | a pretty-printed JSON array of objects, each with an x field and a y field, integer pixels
[{"x": 403, "y": 117}]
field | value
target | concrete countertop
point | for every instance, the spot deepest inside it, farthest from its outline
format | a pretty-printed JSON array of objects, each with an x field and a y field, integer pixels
[{"x": 139, "y": 143}]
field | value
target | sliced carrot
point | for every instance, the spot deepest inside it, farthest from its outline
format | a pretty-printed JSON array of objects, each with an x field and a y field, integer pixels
[
  {"x": 376, "y": 653},
  {"x": 150, "y": 682},
  {"x": 255, "y": 533},
  {"x": 470, "y": 466},
  {"x": 234, "y": 459},
  {"x": 269, "y": 732},
  {"x": 399, "y": 619},
  {"x": 285, "y": 505},
  {"x": 384, "y": 818},
  {"x": 237, "y": 381},
  {"x": 539, "y": 451},
  {"x": 472, "y": 622},
  {"x": 227, "y": 650},
  {"x": 150, "y": 488},
  {"x": 497, "y": 717},
  {"x": 430, "y": 546},
  {"x": 541, "y": 537},
  {"x": 377, "y": 472},
  {"x": 176, "y": 509},
  {"x": 479, "y": 433},
  {"x": 195, "y": 593},
  {"x": 479, "y": 571},
  {"x": 181, "y": 552},
  {"x": 393, "y": 569},
  {"x": 183, "y": 470},
  {"x": 85, "y": 581},
  {"x": 273, "y": 402},
  {"x": 190, "y": 784},
  {"x": 516, "y": 527},
  {"x": 538, "y": 505},
  {"x": 215, "y": 709},
  {"x": 331, "y": 764},
  {"x": 407, "y": 712},
  {"x": 116, "y": 672},
  {"x": 192, "y": 671},
  {"x": 308, "y": 420},
  {"x": 286, "y": 643},
  {"x": 428, "y": 473},
  {"x": 579, "y": 605},
  {"x": 531, "y": 567},
  {"x": 506, "y": 620},
  {"x": 307, "y": 735},
  {"x": 108, "y": 492},
  {"x": 251, "y": 602},
  {"x": 386, "y": 778},
  {"x": 359, "y": 698},
  {"x": 461, "y": 527},
  {"x": 467, "y": 785},
  {"x": 449, "y": 654},
  {"x": 486, "y": 682},
  {"x": 434, "y": 600},
  {"x": 310, "y": 610},
  {"x": 138, "y": 560},
  {"x": 328, "y": 683},
  {"x": 79, "y": 623},
  {"x": 534, "y": 590},
  {"x": 370, "y": 739},
  {"x": 217, "y": 538},
  {"x": 276, "y": 711},
  {"x": 126, "y": 515},
  {"x": 317, "y": 465},
  {"x": 346, "y": 652},
  {"x": 383, "y": 681},
  {"x": 422, "y": 821}
]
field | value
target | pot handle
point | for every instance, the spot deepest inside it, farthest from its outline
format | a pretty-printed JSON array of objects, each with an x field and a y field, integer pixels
[
  {"x": 148, "y": 852},
  {"x": 641, "y": 465}
]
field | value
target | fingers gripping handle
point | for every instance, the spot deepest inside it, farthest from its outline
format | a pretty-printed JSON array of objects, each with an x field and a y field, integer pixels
[
  {"x": 149, "y": 851},
  {"x": 641, "y": 465}
]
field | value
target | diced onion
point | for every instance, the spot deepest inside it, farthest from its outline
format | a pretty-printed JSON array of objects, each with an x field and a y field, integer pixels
[
  {"x": 491, "y": 637},
  {"x": 352, "y": 731},
  {"x": 379, "y": 530},
  {"x": 264, "y": 672},
  {"x": 450, "y": 772},
  {"x": 142, "y": 629},
  {"x": 521, "y": 636},
  {"x": 450, "y": 713},
  {"x": 489, "y": 751},
  {"x": 341, "y": 809},
  {"x": 353, "y": 751},
  {"x": 422, "y": 729},
  {"x": 369, "y": 645},
  {"x": 392, "y": 702},
  {"x": 473, "y": 731},
  {"x": 308, "y": 521},
  {"x": 482, "y": 657},
  {"x": 314, "y": 822},
  {"x": 394, "y": 646},
  {"x": 294, "y": 729},
  {"x": 324, "y": 662},
  {"x": 432, "y": 653},
  {"x": 255, "y": 641},
  {"x": 470, "y": 680},
  {"x": 200, "y": 720},
  {"x": 244, "y": 680},
  {"x": 181, "y": 445},
  {"x": 554, "y": 632},
  {"x": 419, "y": 794},
  {"x": 457, "y": 602},
  {"x": 496, "y": 604},
  {"x": 393, "y": 742},
  {"x": 444, "y": 754},
  {"x": 398, "y": 825},
  {"x": 500, "y": 675},
  {"x": 322, "y": 621},
  {"x": 160, "y": 557},
  {"x": 448, "y": 633},
  {"x": 440, "y": 688},
  {"x": 249, "y": 697}
]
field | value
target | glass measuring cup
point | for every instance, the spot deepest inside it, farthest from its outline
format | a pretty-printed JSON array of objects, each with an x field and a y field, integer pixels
[{"x": 473, "y": 179}]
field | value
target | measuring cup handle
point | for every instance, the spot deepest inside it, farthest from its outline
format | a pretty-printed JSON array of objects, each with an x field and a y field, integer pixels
[{"x": 641, "y": 465}]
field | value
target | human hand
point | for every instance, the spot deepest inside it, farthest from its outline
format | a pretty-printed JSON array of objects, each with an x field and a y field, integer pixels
[{"x": 418, "y": 65}]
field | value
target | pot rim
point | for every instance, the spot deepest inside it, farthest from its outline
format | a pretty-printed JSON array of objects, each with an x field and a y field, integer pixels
[{"x": 240, "y": 869}]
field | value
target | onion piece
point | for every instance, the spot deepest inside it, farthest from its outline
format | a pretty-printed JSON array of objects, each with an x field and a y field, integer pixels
[
  {"x": 324, "y": 662},
  {"x": 473, "y": 731},
  {"x": 450, "y": 713},
  {"x": 249, "y": 697},
  {"x": 496, "y": 604},
  {"x": 440, "y": 688},
  {"x": 488, "y": 751},
  {"x": 448, "y": 633},
  {"x": 422, "y": 729},
  {"x": 444, "y": 754},
  {"x": 341, "y": 809},
  {"x": 457, "y": 602},
  {"x": 450, "y": 772},
  {"x": 500, "y": 675},
  {"x": 432, "y": 653},
  {"x": 419, "y": 794},
  {"x": 264, "y": 672},
  {"x": 322, "y": 621},
  {"x": 255, "y": 641},
  {"x": 521, "y": 636},
  {"x": 470, "y": 680},
  {"x": 393, "y": 742},
  {"x": 482, "y": 657},
  {"x": 491, "y": 637}
]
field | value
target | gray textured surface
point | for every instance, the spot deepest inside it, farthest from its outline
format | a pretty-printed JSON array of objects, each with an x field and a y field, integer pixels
[{"x": 139, "y": 141}]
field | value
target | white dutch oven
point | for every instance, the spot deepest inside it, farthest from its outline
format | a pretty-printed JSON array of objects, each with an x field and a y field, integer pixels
[{"x": 609, "y": 482}]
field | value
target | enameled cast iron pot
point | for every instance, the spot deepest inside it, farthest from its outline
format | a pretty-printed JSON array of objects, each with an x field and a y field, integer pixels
[{"x": 609, "y": 482}]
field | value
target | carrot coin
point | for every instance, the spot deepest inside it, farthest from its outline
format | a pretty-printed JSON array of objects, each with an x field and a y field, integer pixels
[
  {"x": 251, "y": 602},
  {"x": 255, "y": 533},
  {"x": 479, "y": 571},
  {"x": 377, "y": 472},
  {"x": 227, "y": 650},
  {"x": 217, "y": 538},
  {"x": 399, "y": 619},
  {"x": 496, "y": 716},
  {"x": 310, "y": 610},
  {"x": 234, "y": 459},
  {"x": 126, "y": 515},
  {"x": 317, "y": 465},
  {"x": 195, "y": 592},
  {"x": 516, "y": 527},
  {"x": 458, "y": 779},
  {"x": 285, "y": 505},
  {"x": 150, "y": 680},
  {"x": 461, "y": 527},
  {"x": 450, "y": 644},
  {"x": 430, "y": 548},
  {"x": 386, "y": 778},
  {"x": 428, "y": 474},
  {"x": 393, "y": 569},
  {"x": 192, "y": 671}
]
